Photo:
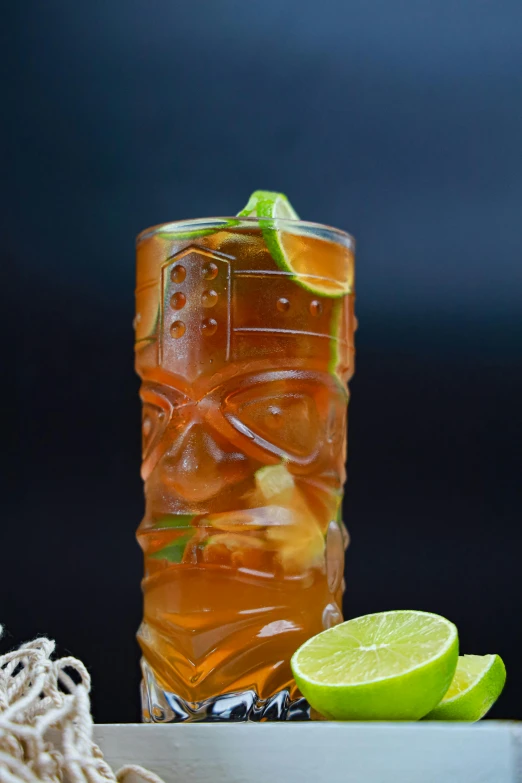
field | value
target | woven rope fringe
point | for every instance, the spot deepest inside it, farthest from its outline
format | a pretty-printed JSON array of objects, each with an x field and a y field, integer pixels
[{"x": 38, "y": 694}]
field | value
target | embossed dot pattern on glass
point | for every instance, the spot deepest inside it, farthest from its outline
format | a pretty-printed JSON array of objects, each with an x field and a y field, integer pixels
[
  {"x": 178, "y": 273},
  {"x": 210, "y": 271},
  {"x": 209, "y": 327},
  {"x": 178, "y": 300},
  {"x": 177, "y": 329},
  {"x": 283, "y": 305},
  {"x": 209, "y": 298}
]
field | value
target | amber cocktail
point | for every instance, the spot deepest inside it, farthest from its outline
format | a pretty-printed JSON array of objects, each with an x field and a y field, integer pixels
[{"x": 244, "y": 344}]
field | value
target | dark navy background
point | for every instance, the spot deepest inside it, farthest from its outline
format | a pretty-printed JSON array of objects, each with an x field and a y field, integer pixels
[{"x": 398, "y": 120}]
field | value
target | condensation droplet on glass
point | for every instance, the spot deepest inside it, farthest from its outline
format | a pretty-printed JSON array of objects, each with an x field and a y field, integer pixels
[
  {"x": 316, "y": 307},
  {"x": 208, "y": 327},
  {"x": 283, "y": 304},
  {"x": 177, "y": 329},
  {"x": 178, "y": 301},
  {"x": 209, "y": 298},
  {"x": 178, "y": 274},
  {"x": 210, "y": 271}
]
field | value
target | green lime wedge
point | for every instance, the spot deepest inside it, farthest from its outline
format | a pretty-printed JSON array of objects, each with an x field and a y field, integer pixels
[
  {"x": 269, "y": 204},
  {"x": 386, "y": 666},
  {"x": 323, "y": 268},
  {"x": 477, "y": 684}
]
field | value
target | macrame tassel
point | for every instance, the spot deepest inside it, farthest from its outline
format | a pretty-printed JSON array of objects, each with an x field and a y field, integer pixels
[{"x": 38, "y": 694}]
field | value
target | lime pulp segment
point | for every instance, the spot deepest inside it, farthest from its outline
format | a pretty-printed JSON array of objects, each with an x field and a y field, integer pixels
[{"x": 477, "y": 684}]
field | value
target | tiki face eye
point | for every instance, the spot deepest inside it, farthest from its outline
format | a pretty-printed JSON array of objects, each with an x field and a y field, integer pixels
[
  {"x": 290, "y": 422},
  {"x": 159, "y": 412},
  {"x": 289, "y": 416}
]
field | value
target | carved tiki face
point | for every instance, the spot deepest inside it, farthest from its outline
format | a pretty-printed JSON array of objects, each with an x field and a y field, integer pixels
[{"x": 241, "y": 366}]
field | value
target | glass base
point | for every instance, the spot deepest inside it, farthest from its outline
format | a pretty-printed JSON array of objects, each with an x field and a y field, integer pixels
[{"x": 161, "y": 706}]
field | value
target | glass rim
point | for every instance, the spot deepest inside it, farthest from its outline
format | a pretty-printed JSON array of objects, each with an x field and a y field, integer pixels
[{"x": 216, "y": 223}]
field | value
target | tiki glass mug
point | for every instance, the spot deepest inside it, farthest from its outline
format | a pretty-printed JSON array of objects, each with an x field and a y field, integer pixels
[{"x": 244, "y": 345}]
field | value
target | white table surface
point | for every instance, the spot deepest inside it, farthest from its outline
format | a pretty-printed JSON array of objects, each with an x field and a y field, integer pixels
[{"x": 487, "y": 752}]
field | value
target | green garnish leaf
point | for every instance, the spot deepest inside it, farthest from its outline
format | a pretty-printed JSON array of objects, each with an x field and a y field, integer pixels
[{"x": 174, "y": 551}]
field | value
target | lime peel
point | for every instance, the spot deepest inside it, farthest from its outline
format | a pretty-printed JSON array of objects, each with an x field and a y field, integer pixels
[{"x": 269, "y": 204}]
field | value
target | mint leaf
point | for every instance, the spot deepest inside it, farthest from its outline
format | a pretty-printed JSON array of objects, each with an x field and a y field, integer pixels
[{"x": 174, "y": 551}]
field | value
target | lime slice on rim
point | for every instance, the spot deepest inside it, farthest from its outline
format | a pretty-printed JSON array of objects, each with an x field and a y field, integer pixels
[
  {"x": 269, "y": 204},
  {"x": 477, "y": 684},
  {"x": 323, "y": 268},
  {"x": 386, "y": 666}
]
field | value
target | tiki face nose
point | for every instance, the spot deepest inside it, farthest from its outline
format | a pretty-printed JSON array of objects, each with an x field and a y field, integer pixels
[{"x": 198, "y": 466}]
